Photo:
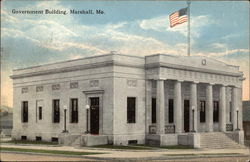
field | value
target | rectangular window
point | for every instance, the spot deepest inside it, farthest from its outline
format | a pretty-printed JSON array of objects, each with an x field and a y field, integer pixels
[
  {"x": 54, "y": 139},
  {"x": 23, "y": 137},
  {"x": 40, "y": 111},
  {"x": 153, "y": 115},
  {"x": 25, "y": 111},
  {"x": 74, "y": 110},
  {"x": 170, "y": 111},
  {"x": 131, "y": 101},
  {"x": 56, "y": 111},
  {"x": 202, "y": 111},
  {"x": 38, "y": 138},
  {"x": 216, "y": 111}
]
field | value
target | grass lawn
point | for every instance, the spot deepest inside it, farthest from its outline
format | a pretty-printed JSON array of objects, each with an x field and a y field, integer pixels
[
  {"x": 141, "y": 147},
  {"x": 130, "y": 147},
  {"x": 30, "y": 142},
  {"x": 48, "y": 151},
  {"x": 167, "y": 147}
]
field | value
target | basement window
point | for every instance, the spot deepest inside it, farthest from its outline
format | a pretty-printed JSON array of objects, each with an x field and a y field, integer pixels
[
  {"x": 23, "y": 137},
  {"x": 132, "y": 142},
  {"x": 38, "y": 138},
  {"x": 54, "y": 139}
]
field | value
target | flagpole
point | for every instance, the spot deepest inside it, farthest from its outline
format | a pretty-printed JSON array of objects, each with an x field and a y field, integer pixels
[{"x": 188, "y": 38}]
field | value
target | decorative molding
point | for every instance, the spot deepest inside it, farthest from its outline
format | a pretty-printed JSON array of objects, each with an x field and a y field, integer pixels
[
  {"x": 132, "y": 83},
  {"x": 94, "y": 83},
  {"x": 75, "y": 68},
  {"x": 169, "y": 129},
  {"x": 184, "y": 67},
  {"x": 39, "y": 88},
  {"x": 152, "y": 129},
  {"x": 25, "y": 90},
  {"x": 73, "y": 85},
  {"x": 93, "y": 92},
  {"x": 203, "y": 62},
  {"x": 229, "y": 127},
  {"x": 56, "y": 87}
]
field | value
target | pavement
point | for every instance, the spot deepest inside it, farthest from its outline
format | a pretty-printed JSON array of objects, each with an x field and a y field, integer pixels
[{"x": 121, "y": 154}]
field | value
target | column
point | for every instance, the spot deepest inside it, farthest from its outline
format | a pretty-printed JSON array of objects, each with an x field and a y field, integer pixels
[
  {"x": 160, "y": 106},
  {"x": 209, "y": 108},
  {"x": 193, "y": 91},
  {"x": 222, "y": 109},
  {"x": 178, "y": 117},
  {"x": 148, "y": 104},
  {"x": 240, "y": 108},
  {"x": 234, "y": 107}
]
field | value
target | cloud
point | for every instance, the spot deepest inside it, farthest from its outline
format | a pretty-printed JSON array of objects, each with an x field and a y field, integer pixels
[
  {"x": 161, "y": 24},
  {"x": 230, "y": 36}
]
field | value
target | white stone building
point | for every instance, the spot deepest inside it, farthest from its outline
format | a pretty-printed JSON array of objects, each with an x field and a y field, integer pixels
[{"x": 157, "y": 99}]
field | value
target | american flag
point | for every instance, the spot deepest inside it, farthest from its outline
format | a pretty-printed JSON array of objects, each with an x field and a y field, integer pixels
[{"x": 178, "y": 17}]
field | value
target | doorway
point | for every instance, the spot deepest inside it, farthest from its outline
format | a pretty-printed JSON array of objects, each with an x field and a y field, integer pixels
[
  {"x": 186, "y": 116},
  {"x": 94, "y": 115}
]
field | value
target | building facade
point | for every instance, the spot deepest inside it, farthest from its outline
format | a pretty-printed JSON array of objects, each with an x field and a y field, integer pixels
[{"x": 157, "y": 99}]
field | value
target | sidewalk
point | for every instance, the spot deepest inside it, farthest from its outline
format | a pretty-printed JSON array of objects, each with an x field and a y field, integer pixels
[{"x": 156, "y": 154}]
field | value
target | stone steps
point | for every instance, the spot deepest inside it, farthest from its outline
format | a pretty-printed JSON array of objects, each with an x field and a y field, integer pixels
[{"x": 217, "y": 140}]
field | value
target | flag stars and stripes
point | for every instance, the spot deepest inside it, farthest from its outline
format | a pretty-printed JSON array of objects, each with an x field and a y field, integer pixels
[{"x": 178, "y": 17}]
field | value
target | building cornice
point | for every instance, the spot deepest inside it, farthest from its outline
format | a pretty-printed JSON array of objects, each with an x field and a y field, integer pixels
[
  {"x": 76, "y": 68},
  {"x": 183, "y": 67}
]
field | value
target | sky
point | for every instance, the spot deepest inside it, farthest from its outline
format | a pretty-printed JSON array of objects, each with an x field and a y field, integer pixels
[{"x": 219, "y": 29}]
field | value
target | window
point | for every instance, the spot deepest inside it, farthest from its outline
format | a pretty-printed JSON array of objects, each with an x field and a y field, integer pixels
[
  {"x": 40, "y": 110},
  {"x": 132, "y": 142},
  {"x": 23, "y": 137},
  {"x": 54, "y": 139},
  {"x": 25, "y": 111},
  {"x": 74, "y": 110},
  {"x": 153, "y": 115},
  {"x": 202, "y": 111},
  {"x": 56, "y": 111},
  {"x": 216, "y": 111},
  {"x": 170, "y": 110},
  {"x": 131, "y": 110},
  {"x": 38, "y": 138}
]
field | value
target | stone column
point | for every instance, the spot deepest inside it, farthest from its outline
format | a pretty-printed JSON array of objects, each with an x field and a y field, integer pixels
[
  {"x": 209, "y": 108},
  {"x": 222, "y": 109},
  {"x": 148, "y": 104},
  {"x": 228, "y": 95},
  {"x": 234, "y": 107},
  {"x": 178, "y": 117},
  {"x": 160, "y": 107},
  {"x": 240, "y": 108},
  {"x": 193, "y": 91}
]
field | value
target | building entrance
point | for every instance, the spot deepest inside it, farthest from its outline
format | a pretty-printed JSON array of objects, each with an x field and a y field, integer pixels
[
  {"x": 94, "y": 115},
  {"x": 186, "y": 115}
]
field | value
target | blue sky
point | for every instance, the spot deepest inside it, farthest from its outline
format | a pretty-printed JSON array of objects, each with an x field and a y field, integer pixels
[{"x": 218, "y": 29}]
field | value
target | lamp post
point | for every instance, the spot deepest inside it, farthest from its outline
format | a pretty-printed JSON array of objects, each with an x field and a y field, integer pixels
[
  {"x": 65, "y": 110},
  {"x": 87, "y": 122},
  {"x": 193, "y": 130},
  {"x": 237, "y": 111}
]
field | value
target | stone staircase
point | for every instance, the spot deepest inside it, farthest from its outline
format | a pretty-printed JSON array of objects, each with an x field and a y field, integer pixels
[
  {"x": 77, "y": 141},
  {"x": 218, "y": 140}
]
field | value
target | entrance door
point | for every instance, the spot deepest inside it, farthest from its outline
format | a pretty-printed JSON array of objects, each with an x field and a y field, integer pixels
[
  {"x": 186, "y": 115},
  {"x": 94, "y": 115}
]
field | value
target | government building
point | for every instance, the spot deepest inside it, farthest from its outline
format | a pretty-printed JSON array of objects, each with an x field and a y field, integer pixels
[{"x": 121, "y": 99}]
